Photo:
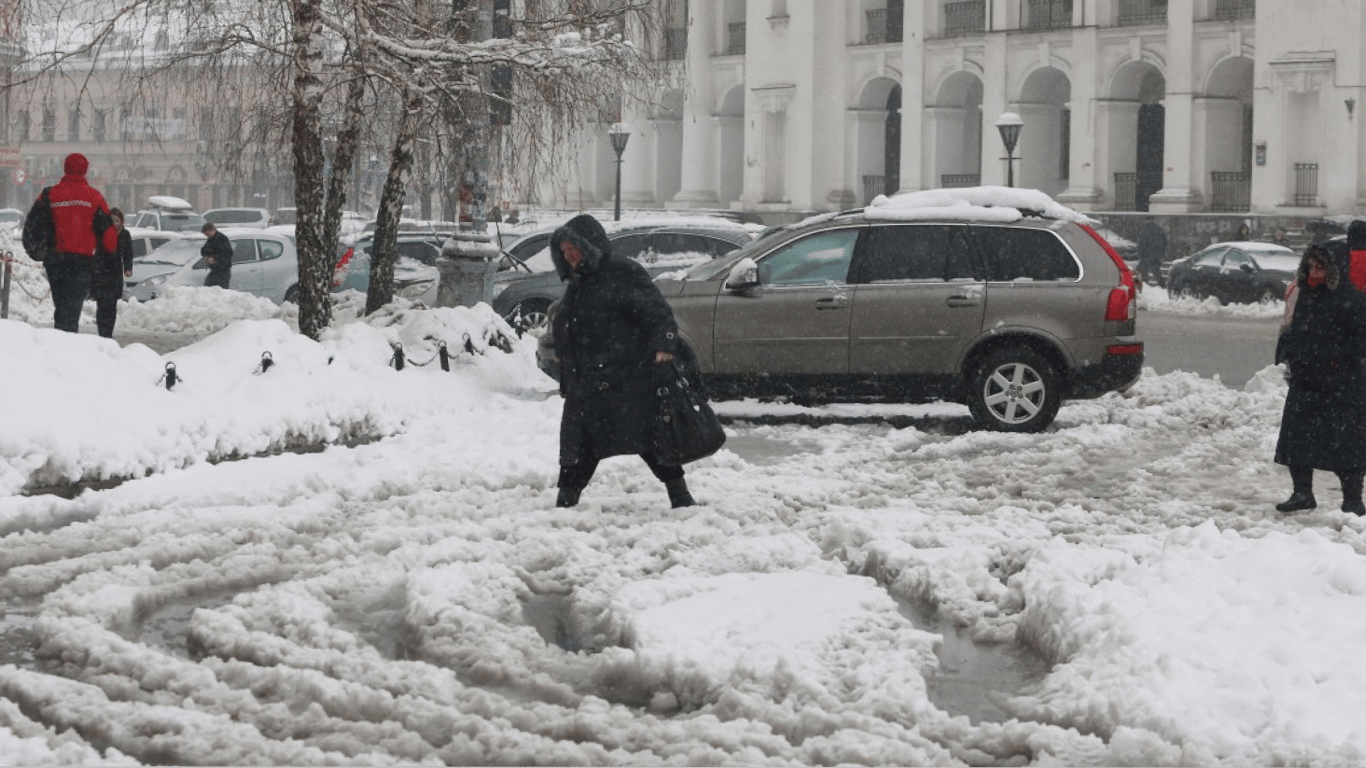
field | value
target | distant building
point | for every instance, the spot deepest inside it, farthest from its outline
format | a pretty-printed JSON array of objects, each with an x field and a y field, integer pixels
[{"x": 1167, "y": 106}]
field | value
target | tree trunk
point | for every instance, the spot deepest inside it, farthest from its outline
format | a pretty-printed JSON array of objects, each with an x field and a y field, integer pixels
[
  {"x": 315, "y": 258},
  {"x": 384, "y": 253}
]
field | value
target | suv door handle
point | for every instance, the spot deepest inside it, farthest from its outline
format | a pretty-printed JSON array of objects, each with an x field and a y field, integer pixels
[
  {"x": 964, "y": 300},
  {"x": 833, "y": 302}
]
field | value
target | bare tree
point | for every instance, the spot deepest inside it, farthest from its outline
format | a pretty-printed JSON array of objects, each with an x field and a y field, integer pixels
[{"x": 342, "y": 59}]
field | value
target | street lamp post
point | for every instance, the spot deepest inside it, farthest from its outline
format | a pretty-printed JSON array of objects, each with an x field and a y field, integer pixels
[
  {"x": 620, "y": 133},
  {"x": 1009, "y": 124}
]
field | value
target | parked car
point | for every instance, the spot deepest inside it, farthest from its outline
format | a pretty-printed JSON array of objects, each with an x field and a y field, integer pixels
[
  {"x": 12, "y": 219},
  {"x": 415, "y": 272},
  {"x": 167, "y": 213},
  {"x": 524, "y": 293},
  {"x": 1235, "y": 272},
  {"x": 256, "y": 218},
  {"x": 263, "y": 264},
  {"x": 147, "y": 240},
  {"x": 284, "y": 216},
  {"x": 1009, "y": 316}
]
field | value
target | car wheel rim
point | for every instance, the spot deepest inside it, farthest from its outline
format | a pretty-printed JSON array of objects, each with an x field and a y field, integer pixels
[
  {"x": 1014, "y": 393},
  {"x": 534, "y": 320}
]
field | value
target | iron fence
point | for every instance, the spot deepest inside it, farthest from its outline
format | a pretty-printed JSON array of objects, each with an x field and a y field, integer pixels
[
  {"x": 960, "y": 180},
  {"x": 1230, "y": 191},
  {"x": 1049, "y": 14},
  {"x": 1137, "y": 13},
  {"x": 872, "y": 187},
  {"x": 735, "y": 39},
  {"x": 965, "y": 19},
  {"x": 1126, "y": 191},
  {"x": 1228, "y": 10},
  {"x": 1306, "y": 184}
]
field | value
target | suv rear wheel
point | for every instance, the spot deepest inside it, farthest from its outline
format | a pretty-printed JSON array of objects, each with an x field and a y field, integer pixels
[
  {"x": 529, "y": 315},
  {"x": 1014, "y": 390}
]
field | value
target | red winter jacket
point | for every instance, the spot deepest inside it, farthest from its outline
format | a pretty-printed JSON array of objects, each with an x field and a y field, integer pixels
[
  {"x": 78, "y": 209},
  {"x": 1356, "y": 271}
]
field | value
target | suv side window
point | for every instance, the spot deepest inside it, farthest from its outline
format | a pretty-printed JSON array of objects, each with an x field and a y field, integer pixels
[
  {"x": 682, "y": 242},
  {"x": 899, "y": 253},
  {"x": 1235, "y": 258},
  {"x": 1023, "y": 254},
  {"x": 815, "y": 260},
  {"x": 630, "y": 246}
]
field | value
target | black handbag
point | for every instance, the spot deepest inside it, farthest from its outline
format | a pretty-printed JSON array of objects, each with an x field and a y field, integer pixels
[{"x": 687, "y": 428}]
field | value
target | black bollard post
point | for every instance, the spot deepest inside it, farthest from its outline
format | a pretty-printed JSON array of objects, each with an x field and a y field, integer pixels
[
  {"x": 397, "y": 360},
  {"x": 445, "y": 356},
  {"x": 170, "y": 375},
  {"x": 266, "y": 361}
]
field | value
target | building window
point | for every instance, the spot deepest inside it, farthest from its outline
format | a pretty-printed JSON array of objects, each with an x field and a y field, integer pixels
[
  {"x": 885, "y": 24},
  {"x": 73, "y": 125},
  {"x": 735, "y": 39},
  {"x": 1065, "y": 146},
  {"x": 23, "y": 125},
  {"x": 1306, "y": 184},
  {"x": 97, "y": 125}
]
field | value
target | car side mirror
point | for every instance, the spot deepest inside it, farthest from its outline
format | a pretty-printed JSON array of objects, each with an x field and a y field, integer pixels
[
  {"x": 1246, "y": 267},
  {"x": 743, "y": 276}
]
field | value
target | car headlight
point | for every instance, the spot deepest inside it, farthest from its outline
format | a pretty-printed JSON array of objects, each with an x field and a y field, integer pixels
[
  {"x": 156, "y": 280},
  {"x": 499, "y": 288}
]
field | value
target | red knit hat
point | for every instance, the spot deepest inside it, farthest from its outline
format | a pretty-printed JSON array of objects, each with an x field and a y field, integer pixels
[{"x": 75, "y": 164}]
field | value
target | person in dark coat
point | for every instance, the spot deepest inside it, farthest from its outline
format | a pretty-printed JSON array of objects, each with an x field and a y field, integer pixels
[
  {"x": 107, "y": 276},
  {"x": 1323, "y": 348},
  {"x": 218, "y": 251},
  {"x": 613, "y": 328},
  {"x": 1152, "y": 252}
]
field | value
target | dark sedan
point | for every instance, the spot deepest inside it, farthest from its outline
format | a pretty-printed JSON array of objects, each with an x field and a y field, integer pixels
[{"x": 1236, "y": 272}]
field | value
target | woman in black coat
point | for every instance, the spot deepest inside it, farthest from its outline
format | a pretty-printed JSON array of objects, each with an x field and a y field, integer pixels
[
  {"x": 613, "y": 328},
  {"x": 107, "y": 274},
  {"x": 1323, "y": 347}
]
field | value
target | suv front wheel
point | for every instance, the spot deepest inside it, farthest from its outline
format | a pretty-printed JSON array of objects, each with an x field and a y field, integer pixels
[{"x": 1014, "y": 390}]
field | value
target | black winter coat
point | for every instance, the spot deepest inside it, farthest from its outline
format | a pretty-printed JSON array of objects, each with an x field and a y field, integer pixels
[
  {"x": 218, "y": 248},
  {"x": 106, "y": 275},
  {"x": 1323, "y": 425},
  {"x": 609, "y": 325}
]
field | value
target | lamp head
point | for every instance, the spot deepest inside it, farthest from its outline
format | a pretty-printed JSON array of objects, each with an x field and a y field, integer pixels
[
  {"x": 620, "y": 133},
  {"x": 1009, "y": 124}
]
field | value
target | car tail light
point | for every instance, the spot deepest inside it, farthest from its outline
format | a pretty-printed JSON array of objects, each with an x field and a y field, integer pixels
[
  {"x": 1124, "y": 349},
  {"x": 339, "y": 271},
  {"x": 1122, "y": 305}
]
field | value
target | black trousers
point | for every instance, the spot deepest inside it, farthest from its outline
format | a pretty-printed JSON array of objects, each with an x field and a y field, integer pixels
[
  {"x": 68, "y": 274},
  {"x": 576, "y": 476},
  {"x": 106, "y": 312}
]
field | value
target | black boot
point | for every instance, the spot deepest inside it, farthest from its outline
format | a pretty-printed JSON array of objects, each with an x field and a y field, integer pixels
[
  {"x": 1351, "y": 493},
  {"x": 568, "y": 497},
  {"x": 1303, "y": 496},
  {"x": 678, "y": 493}
]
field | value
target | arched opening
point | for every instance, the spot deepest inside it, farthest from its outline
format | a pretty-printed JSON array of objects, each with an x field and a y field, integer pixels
[
  {"x": 1138, "y": 142},
  {"x": 879, "y": 138},
  {"x": 730, "y": 150},
  {"x": 1227, "y": 140},
  {"x": 1045, "y": 141},
  {"x": 956, "y": 121}
]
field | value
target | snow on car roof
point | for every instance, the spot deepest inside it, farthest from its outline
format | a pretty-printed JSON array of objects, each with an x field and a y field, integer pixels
[
  {"x": 995, "y": 204},
  {"x": 166, "y": 201}
]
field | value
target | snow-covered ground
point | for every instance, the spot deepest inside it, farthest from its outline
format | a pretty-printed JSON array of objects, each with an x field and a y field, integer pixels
[{"x": 409, "y": 594}]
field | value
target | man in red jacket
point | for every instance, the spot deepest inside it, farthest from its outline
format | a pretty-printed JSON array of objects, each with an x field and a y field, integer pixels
[{"x": 80, "y": 220}]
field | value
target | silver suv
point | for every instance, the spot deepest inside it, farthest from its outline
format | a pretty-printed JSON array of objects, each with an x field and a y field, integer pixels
[{"x": 1000, "y": 299}]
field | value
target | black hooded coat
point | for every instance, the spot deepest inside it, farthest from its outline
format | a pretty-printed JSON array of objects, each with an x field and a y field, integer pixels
[
  {"x": 1324, "y": 349},
  {"x": 607, "y": 329}
]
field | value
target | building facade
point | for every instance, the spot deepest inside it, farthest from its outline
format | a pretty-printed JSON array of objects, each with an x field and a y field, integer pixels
[{"x": 1159, "y": 106}]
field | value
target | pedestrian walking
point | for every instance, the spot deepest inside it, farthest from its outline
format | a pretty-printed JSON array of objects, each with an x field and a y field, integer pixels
[
  {"x": 110, "y": 270},
  {"x": 1152, "y": 252},
  {"x": 218, "y": 251},
  {"x": 1323, "y": 348},
  {"x": 612, "y": 332},
  {"x": 68, "y": 221}
]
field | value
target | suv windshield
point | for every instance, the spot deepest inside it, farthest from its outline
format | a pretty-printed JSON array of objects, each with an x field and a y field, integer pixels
[
  {"x": 177, "y": 252},
  {"x": 181, "y": 221}
]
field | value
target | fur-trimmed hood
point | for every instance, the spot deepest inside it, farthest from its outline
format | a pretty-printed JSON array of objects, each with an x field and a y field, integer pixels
[
  {"x": 587, "y": 233},
  {"x": 1332, "y": 275}
]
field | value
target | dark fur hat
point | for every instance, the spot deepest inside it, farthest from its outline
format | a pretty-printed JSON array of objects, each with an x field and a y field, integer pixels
[{"x": 587, "y": 233}]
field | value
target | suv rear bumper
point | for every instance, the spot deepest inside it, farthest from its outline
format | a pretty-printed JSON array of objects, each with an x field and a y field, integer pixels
[{"x": 1118, "y": 369}]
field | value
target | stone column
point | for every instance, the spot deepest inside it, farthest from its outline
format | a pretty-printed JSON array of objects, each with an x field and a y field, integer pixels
[{"x": 698, "y": 180}]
